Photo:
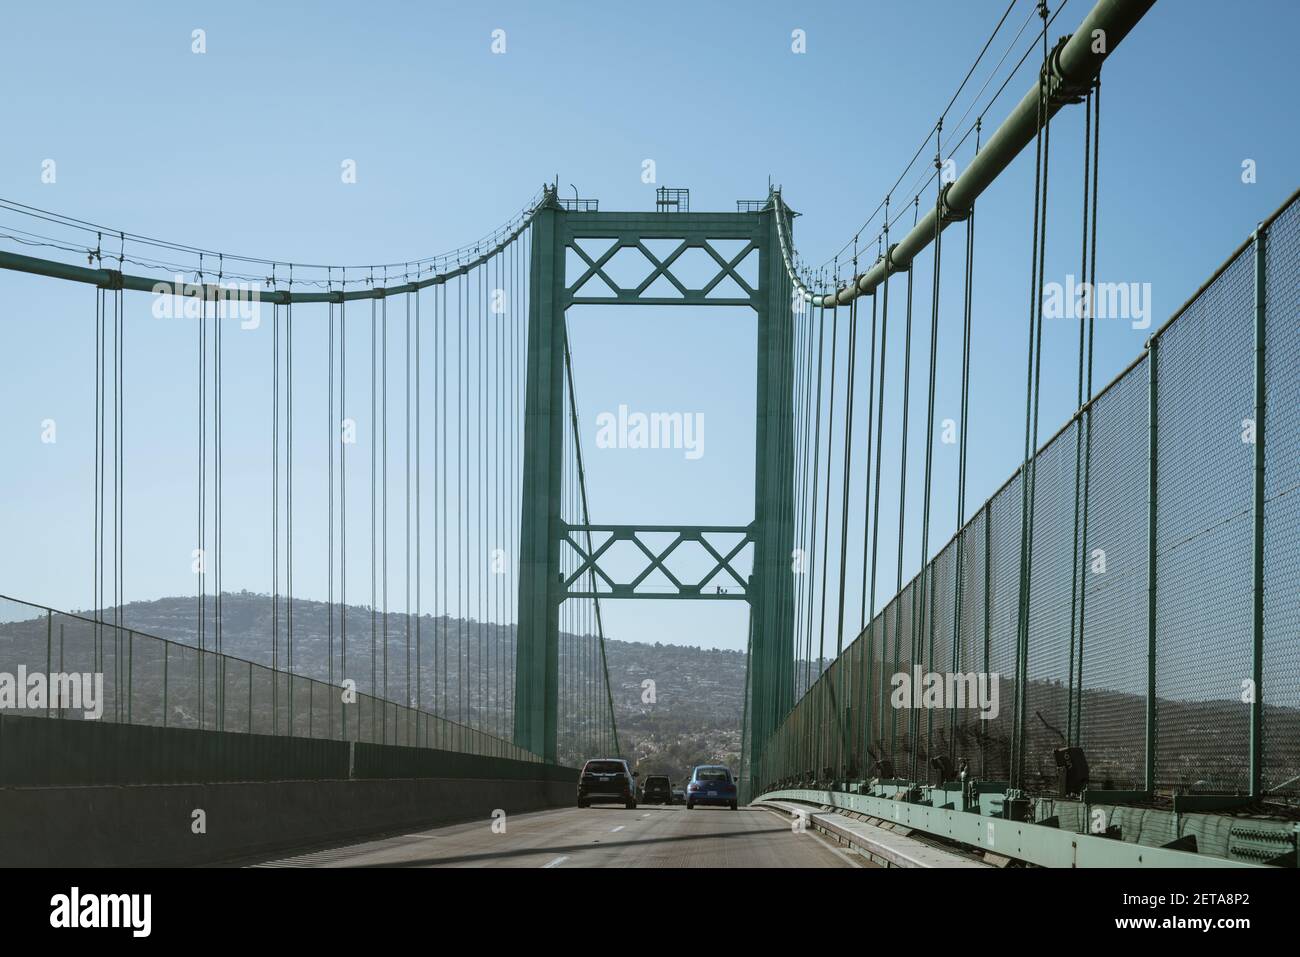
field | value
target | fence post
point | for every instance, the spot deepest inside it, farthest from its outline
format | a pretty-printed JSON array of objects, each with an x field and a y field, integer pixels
[
  {"x": 1257, "y": 649},
  {"x": 886, "y": 744},
  {"x": 49, "y": 644},
  {"x": 914, "y": 715},
  {"x": 988, "y": 619},
  {"x": 1153, "y": 412},
  {"x": 929, "y": 666}
]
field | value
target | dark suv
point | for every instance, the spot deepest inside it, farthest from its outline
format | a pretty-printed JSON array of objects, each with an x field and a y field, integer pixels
[
  {"x": 607, "y": 781},
  {"x": 657, "y": 790}
]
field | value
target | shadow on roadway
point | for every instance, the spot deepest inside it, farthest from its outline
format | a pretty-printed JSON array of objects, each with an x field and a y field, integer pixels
[{"x": 563, "y": 848}]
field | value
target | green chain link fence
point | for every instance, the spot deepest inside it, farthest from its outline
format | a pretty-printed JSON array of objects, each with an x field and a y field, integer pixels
[{"x": 1183, "y": 412}]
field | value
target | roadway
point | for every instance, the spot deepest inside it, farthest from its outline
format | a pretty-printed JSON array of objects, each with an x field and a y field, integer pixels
[{"x": 650, "y": 836}]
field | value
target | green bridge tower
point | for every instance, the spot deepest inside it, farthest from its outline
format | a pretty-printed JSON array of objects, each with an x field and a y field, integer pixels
[{"x": 543, "y": 586}]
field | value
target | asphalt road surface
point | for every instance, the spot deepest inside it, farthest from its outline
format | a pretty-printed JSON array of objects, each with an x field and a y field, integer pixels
[{"x": 650, "y": 836}]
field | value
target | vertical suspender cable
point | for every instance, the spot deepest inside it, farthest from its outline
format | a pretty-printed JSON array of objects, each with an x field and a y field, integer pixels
[
  {"x": 902, "y": 484},
  {"x": 485, "y": 495},
  {"x": 1076, "y": 585},
  {"x": 374, "y": 495},
  {"x": 821, "y": 330},
  {"x": 462, "y": 565},
  {"x": 446, "y": 537},
  {"x": 826, "y": 526},
  {"x": 383, "y": 498},
  {"x": 805, "y": 517},
  {"x": 487, "y": 487},
  {"x": 926, "y": 632},
  {"x": 98, "y": 549},
  {"x": 339, "y": 421},
  {"x": 959, "y": 589},
  {"x": 419, "y": 528},
  {"x": 329, "y": 512},
  {"x": 861, "y": 693},
  {"x": 275, "y": 517},
  {"x": 850, "y": 375},
  {"x": 288, "y": 499},
  {"x": 866, "y": 609},
  {"x": 95, "y": 498},
  {"x": 217, "y": 516},
  {"x": 119, "y": 486},
  {"x": 1087, "y": 444},
  {"x": 799, "y": 558},
  {"x": 880, "y": 458},
  {"x": 406, "y": 429},
  {"x": 585, "y": 515},
  {"x": 499, "y": 296},
  {"x": 1029, "y": 468},
  {"x": 434, "y": 474},
  {"x": 808, "y": 519},
  {"x": 203, "y": 493}
]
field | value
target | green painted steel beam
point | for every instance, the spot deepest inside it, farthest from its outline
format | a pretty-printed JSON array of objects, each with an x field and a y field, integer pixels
[
  {"x": 689, "y": 531},
  {"x": 1032, "y": 843},
  {"x": 631, "y": 298},
  {"x": 589, "y": 561},
  {"x": 772, "y": 688},
  {"x": 617, "y": 225}
]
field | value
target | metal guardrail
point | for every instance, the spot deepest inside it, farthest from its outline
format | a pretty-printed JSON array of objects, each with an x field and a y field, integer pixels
[{"x": 1035, "y": 843}]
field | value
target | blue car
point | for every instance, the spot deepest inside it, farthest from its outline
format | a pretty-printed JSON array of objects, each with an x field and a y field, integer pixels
[{"x": 711, "y": 784}]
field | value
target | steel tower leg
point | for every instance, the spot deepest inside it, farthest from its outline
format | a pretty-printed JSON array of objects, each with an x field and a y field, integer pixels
[
  {"x": 537, "y": 650},
  {"x": 771, "y": 607}
]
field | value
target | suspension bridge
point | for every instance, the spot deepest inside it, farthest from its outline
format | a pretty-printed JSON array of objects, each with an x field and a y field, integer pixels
[{"x": 408, "y": 469}]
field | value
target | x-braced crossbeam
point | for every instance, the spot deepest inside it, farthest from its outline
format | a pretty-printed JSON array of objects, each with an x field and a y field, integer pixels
[{"x": 589, "y": 567}]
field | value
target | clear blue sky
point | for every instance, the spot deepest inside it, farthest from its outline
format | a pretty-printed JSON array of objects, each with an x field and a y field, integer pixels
[{"x": 240, "y": 149}]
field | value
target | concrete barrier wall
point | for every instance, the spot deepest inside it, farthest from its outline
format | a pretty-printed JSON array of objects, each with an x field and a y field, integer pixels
[
  {"x": 144, "y": 825},
  {"x": 85, "y": 794},
  {"x": 51, "y": 752}
]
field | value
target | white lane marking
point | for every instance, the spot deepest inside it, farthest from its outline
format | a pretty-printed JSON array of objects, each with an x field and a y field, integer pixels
[
  {"x": 557, "y": 862},
  {"x": 645, "y": 815},
  {"x": 615, "y": 830}
]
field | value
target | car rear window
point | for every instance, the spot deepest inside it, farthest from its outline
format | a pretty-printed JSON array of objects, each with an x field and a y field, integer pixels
[
  {"x": 603, "y": 767},
  {"x": 713, "y": 774},
  {"x": 656, "y": 779}
]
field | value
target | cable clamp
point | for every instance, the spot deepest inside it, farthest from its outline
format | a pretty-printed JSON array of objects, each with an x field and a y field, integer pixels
[
  {"x": 1061, "y": 91},
  {"x": 888, "y": 258},
  {"x": 946, "y": 213},
  {"x": 112, "y": 279}
]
